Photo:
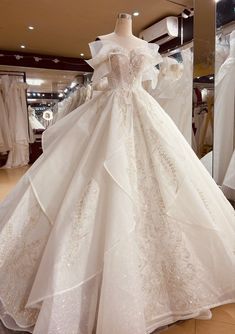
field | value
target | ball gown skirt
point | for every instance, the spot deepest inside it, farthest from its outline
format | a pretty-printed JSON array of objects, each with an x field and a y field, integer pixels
[{"x": 117, "y": 228}]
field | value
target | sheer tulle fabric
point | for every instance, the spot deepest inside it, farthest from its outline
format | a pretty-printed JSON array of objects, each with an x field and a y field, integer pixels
[{"x": 108, "y": 209}]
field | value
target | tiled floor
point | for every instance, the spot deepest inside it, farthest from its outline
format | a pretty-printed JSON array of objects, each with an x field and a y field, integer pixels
[{"x": 222, "y": 322}]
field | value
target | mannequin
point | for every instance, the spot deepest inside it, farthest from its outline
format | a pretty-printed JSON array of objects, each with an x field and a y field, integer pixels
[{"x": 123, "y": 33}]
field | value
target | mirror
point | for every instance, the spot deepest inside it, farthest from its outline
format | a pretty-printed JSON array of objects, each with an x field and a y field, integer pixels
[{"x": 224, "y": 126}]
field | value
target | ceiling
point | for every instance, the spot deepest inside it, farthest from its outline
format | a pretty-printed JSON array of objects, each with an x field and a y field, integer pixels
[{"x": 64, "y": 28}]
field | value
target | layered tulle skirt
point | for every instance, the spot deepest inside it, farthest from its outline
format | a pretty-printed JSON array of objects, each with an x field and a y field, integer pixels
[{"x": 117, "y": 228}]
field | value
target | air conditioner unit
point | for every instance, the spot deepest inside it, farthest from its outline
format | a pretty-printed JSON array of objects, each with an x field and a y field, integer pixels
[{"x": 162, "y": 31}]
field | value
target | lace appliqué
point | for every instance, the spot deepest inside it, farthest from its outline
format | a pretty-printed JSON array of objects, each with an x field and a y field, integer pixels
[
  {"x": 165, "y": 264},
  {"x": 82, "y": 220}
]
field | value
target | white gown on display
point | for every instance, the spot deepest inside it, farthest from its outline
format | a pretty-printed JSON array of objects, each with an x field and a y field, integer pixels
[
  {"x": 117, "y": 228},
  {"x": 224, "y": 115},
  {"x": 34, "y": 124},
  {"x": 174, "y": 91},
  {"x": 5, "y": 138},
  {"x": 77, "y": 98},
  {"x": 15, "y": 103}
]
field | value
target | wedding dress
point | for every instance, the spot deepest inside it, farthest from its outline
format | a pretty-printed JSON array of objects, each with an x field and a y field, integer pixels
[
  {"x": 34, "y": 124},
  {"x": 5, "y": 138},
  {"x": 174, "y": 91},
  {"x": 224, "y": 114},
  {"x": 77, "y": 98},
  {"x": 117, "y": 228},
  {"x": 16, "y": 106}
]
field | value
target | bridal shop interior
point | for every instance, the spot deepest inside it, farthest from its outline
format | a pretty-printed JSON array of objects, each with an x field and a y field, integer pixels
[{"x": 55, "y": 81}]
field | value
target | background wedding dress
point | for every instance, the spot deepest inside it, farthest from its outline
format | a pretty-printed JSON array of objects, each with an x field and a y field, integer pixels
[
  {"x": 5, "y": 138},
  {"x": 16, "y": 107},
  {"x": 129, "y": 232},
  {"x": 224, "y": 115},
  {"x": 174, "y": 91}
]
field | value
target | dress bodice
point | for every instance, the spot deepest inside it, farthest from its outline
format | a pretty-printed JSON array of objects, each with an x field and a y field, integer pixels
[{"x": 123, "y": 68}]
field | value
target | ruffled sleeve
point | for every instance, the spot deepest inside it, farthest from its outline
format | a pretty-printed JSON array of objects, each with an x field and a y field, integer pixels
[
  {"x": 151, "y": 72},
  {"x": 99, "y": 61}
]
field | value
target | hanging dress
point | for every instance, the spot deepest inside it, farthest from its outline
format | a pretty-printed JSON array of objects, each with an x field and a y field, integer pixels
[{"x": 16, "y": 106}]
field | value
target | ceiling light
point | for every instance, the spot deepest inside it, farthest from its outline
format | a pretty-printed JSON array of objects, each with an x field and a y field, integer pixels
[
  {"x": 82, "y": 54},
  {"x": 61, "y": 95},
  {"x": 38, "y": 94},
  {"x": 66, "y": 90},
  {"x": 35, "y": 82},
  {"x": 28, "y": 94},
  {"x": 30, "y": 27},
  {"x": 211, "y": 78},
  {"x": 136, "y": 14},
  {"x": 22, "y": 46}
]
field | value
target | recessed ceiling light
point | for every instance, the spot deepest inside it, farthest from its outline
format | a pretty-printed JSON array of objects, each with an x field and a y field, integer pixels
[
  {"x": 136, "y": 14},
  {"x": 30, "y": 27},
  {"x": 22, "y": 46},
  {"x": 82, "y": 54}
]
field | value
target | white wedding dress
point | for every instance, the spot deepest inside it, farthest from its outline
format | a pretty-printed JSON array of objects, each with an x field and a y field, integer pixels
[
  {"x": 174, "y": 91},
  {"x": 224, "y": 111},
  {"x": 117, "y": 228},
  {"x": 16, "y": 107}
]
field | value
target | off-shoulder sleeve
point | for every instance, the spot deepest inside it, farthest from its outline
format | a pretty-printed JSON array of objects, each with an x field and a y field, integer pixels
[
  {"x": 99, "y": 61},
  {"x": 151, "y": 72}
]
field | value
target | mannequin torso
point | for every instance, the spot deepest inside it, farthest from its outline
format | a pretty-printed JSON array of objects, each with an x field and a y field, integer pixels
[{"x": 122, "y": 34}]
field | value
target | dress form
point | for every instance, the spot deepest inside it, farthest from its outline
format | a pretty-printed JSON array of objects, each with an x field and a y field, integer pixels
[{"x": 123, "y": 33}]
